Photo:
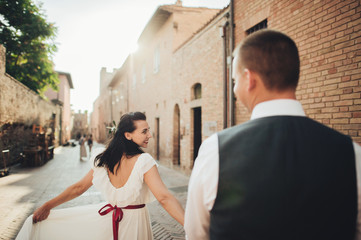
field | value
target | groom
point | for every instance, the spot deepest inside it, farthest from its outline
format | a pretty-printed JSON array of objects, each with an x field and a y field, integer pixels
[{"x": 280, "y": 175}]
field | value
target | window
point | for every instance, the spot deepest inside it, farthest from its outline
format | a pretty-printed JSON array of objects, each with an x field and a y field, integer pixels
[
  {"x": 257, "y": 27},
  {"x": 156, "y": 62},
  {"x": 197, "y": 91},
  {"x": 143, "y": 73}
]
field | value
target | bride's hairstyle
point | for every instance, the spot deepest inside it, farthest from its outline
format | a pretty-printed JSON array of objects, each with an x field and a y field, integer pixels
[{"x": 119, "y": 144}]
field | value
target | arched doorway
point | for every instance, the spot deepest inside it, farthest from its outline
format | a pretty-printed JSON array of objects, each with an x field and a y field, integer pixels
[{"x": 176, "y": 135}]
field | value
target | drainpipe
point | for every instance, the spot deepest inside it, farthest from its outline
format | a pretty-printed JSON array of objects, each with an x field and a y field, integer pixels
[
  {"x": 231, "y": 44},
  {"x": 225, "y": 78}
]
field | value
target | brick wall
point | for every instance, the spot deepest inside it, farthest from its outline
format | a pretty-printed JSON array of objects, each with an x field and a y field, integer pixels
[
  {"x": 200, "y": 60},
  {"x": 152, "y": 95},
  {"x": 101, "y": 117},
  {"x": 158, "y": 93},
  {"x": 188, "y": 21},
  {"x": 328, "y": 36}
]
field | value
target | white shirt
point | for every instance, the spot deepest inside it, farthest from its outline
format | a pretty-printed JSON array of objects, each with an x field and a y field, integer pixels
[{"x": 203, "y": 183}]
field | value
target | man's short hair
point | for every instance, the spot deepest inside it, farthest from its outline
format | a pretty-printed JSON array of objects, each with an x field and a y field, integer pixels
[{"x": 273, "y": 55}]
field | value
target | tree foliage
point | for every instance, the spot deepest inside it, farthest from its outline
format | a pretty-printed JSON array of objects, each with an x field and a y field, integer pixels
[{"x": 29, "y": 41}]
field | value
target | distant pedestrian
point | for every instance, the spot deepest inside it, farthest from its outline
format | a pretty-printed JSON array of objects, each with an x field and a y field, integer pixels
[
  {"x": 82, "y": 147},
  {"x": 90, "y": 143}
]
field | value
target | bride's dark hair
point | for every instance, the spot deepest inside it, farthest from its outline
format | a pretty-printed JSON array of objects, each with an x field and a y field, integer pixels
[{"x": 119, "y": 144}]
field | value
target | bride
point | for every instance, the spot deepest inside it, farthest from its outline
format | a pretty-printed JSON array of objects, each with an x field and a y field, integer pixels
[{"x": 126, "y": 176}]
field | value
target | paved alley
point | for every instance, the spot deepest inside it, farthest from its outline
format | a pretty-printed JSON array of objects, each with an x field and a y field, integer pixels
[{"x": 25, "y": 189}]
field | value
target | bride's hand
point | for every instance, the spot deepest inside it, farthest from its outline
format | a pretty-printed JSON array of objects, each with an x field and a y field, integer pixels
[{"x": 41, "y": 214}]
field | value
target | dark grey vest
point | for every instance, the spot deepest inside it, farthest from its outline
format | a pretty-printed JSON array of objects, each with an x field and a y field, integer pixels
[{"x": 285, "y": 178}]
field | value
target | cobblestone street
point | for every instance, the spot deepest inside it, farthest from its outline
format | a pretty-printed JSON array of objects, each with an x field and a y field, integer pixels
[{"x": 25, "y": 189}]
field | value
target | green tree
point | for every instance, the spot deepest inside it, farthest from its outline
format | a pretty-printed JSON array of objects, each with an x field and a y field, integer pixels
[{"x": 29, "y": 41}]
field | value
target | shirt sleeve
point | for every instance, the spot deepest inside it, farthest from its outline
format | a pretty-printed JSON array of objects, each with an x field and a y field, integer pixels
[
  {"x": 147, "y": 162},
  {"x": 202, "y": 190},
  {"x": 357, "y": 149}
]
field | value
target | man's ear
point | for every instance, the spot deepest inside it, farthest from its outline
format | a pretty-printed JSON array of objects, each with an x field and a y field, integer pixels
[
  {"x": 128, "y": 136},
  {"x": 250, "y": 78}
]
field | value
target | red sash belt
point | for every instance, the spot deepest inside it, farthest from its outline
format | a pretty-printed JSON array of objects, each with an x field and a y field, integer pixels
[{"x": 117, "y": 215}]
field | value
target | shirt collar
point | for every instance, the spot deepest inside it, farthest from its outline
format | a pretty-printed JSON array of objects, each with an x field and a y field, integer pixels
[{"x": 279, "y": 107}]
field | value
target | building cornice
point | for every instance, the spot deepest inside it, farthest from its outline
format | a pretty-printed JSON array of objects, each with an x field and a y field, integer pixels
[{"x": 68, "y": 76}]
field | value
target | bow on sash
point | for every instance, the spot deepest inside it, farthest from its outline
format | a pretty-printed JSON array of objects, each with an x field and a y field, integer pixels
[{"x": 117, "y": 215}]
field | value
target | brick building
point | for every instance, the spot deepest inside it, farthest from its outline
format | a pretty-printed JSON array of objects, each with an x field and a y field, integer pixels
[
  {"x": 151, "y": 81},
  {"x": 328, "y": 36},
  {"x": 185, "y": 86},
  {"x": 196, "y": 107},
  {"x": 118, "y": 89},
  {"x": 62, "y": 97},
  {"x": 80, "y": 124},
  {"x": 101, "y": 117}
]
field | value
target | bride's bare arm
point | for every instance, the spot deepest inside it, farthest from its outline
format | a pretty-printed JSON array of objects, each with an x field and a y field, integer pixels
[
  {"x": 162, "y": 194},
  {"x": 71, "y": 192}
]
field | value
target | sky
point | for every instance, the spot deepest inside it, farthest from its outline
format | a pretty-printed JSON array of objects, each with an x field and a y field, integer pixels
[{"x": 100, "y": 33}]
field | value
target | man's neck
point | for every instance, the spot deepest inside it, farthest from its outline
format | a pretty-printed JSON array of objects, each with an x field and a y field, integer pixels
[{"x": 272, "y": 95}]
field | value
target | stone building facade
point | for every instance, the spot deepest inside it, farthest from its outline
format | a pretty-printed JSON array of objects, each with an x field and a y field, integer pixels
[{"x": 20, "y": 109}]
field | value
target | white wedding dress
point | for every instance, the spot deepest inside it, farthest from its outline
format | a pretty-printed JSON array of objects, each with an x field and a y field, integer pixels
[{"x": 86, "y": 223}]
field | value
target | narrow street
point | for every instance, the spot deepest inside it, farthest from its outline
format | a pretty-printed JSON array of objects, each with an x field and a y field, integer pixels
[{"x": 25, "y": 189}]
